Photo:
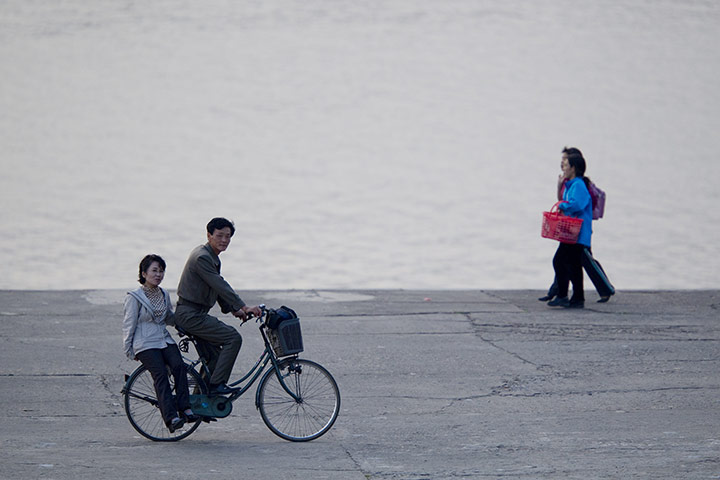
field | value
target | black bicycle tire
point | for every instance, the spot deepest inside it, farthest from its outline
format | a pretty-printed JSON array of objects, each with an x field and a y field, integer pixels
[
  {"x": 147, "y": 395},
  {"x": 283, "y": 401}
]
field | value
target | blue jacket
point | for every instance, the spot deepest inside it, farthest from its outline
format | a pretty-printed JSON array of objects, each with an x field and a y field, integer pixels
[{"x": 579, "y": 205}]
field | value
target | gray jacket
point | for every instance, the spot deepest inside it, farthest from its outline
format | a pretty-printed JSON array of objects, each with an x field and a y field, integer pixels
[
  {"x": 141, "y": 330},
  {"x": 201, "y": 282}
]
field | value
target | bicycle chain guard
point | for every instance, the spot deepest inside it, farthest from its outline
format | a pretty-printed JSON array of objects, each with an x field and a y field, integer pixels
[{"x": 215, "y": 406}]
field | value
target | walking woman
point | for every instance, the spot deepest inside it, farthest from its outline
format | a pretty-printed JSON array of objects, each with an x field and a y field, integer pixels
[
  {"x": 592, "y": 267},
  {"x": 147, "y": 311},
  {"x": 568, "y": 257}
]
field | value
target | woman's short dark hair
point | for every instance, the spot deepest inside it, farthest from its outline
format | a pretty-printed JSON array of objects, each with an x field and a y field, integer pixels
[
  {"x": 145, "y": 264},
  {"x": 571, "y": 151},
  {"x": 218, "y": 223}
]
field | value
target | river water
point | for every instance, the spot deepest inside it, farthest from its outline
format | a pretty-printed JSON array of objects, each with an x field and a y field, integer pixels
[{"x": 377, "y": 144}]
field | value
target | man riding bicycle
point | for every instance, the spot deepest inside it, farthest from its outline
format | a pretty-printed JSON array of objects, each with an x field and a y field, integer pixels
[{"x": 200, "y": 287}]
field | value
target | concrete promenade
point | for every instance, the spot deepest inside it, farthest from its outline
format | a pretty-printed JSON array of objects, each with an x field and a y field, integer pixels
[{"x": 435, "y": 385}]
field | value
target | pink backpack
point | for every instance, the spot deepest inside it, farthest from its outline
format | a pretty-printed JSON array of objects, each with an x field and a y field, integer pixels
[{"x": 598, "y": 201}]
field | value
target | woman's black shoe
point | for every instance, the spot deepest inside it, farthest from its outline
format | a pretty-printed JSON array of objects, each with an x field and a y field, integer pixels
[
  {"x": 559, "y": 302},
  {"x": 176, "y": 424},
  {"x": 545, "y": 298},
  {"x": 192, "y": 418},
  {"x": 571, "y": 304}
]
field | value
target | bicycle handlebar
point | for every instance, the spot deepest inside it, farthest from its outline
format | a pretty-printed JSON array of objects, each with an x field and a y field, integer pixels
[{"x": 263, "y": 310}]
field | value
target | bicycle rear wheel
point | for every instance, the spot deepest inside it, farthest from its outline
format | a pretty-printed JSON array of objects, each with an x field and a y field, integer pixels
[
  {"x": 317, "y": 408},
  {"x": 141, "y": 405}
]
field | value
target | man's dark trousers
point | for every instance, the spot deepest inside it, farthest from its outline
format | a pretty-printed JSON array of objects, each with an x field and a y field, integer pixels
[{"x": 199, "y": 323}]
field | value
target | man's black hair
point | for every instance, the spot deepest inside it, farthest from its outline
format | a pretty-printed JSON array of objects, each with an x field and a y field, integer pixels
[{"x": 218, "y": 223}]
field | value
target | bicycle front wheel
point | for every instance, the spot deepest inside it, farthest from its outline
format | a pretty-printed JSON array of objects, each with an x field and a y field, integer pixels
[
  {"x": 141, "y": 405},
  {"x": 315, "y": 410}
]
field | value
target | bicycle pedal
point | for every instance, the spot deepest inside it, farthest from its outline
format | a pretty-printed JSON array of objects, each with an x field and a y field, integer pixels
[{"x": 208, "y": 419}]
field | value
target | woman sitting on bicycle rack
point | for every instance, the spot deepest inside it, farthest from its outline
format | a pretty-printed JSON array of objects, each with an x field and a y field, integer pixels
[{"x": 147, "y": 310}]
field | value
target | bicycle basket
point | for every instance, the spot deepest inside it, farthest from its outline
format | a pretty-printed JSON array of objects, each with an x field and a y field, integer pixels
[{"x": 286, "y": 339}]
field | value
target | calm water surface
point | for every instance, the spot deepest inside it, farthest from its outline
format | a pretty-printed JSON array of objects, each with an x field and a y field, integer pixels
[{"x": 401, "y": 144}]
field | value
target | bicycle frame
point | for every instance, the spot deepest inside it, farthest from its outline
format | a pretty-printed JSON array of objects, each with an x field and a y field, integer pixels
[{"x": 251, "y": 376}]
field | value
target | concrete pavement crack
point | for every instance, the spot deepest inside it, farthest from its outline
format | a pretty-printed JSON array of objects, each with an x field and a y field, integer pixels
[
  {"x": 494, "y": 345},
  {"x": 609, "y": 390},
  {"x": 497, "y": 392},
  {"x": 355, "y": 462}
]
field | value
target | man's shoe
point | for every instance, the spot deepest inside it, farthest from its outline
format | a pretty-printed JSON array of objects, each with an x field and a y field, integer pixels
[
  {"x": 221, "y": 389},
  {"x": 580, "y": 304},
  {"x": 559, "y": 302},
  {"x": 176, "y": 424},
  {"x": 545, "y": 298}
]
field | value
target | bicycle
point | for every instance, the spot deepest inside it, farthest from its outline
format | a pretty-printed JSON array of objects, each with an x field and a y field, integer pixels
[{"x": 298, "y": 399}]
